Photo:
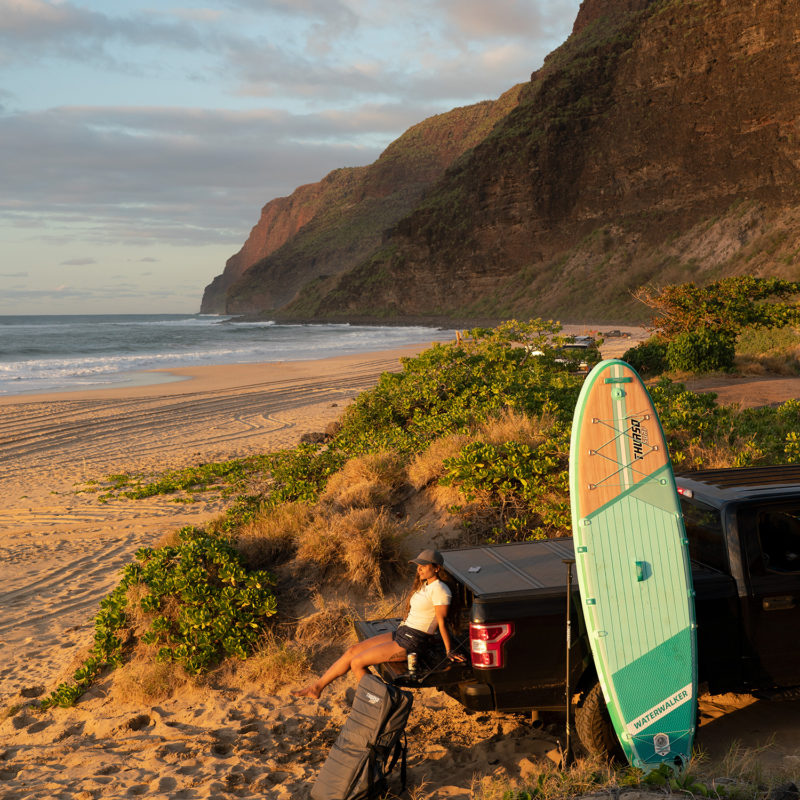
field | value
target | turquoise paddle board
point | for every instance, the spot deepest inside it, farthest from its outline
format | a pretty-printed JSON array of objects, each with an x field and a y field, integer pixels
[{"x": 632, "y": 564}]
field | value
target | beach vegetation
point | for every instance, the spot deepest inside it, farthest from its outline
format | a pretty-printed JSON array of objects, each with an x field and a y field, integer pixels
[
  {"x": 200, "y": 602},
  {"x": 726, "y": 306},
  {"x": 427, "y": 467},
  {"x": 147, "y": 681},
  {"x": 648, "y": 358},
  {"x": 361, "y": 547},
  {"x": 477, "y": 429},
  {"x": 702, "y": 350},
  {"x": 744, "y": 777},
  {"x": 367, "y": 481},
  {"x": 270, "y": 538},
  {"x": 524, "y": 483},
  {"x": 10, "y": 711},
  {"x": 451, "y": 388},
  {"x": 273, "y": 664},
  {"x": 331, "y": 619},
  {"x": 703, "y": 329}
]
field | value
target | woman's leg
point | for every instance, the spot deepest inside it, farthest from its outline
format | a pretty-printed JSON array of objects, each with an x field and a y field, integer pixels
[
  {"x": 342, "y": 664},
  {"x": 379, "y": 654}
]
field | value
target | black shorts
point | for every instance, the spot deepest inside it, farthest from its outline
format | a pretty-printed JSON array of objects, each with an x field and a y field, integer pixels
[{"x": 412, "y": 640}]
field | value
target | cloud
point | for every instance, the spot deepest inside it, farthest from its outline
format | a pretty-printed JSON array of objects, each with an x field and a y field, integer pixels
[
  {"x": 520, "y": 20},
  {"x": 277, "y": 93},
  {"x": 78, "y": 262},
  {"x": 67, "y": 30},
  {"x": 323, "y": 52},
  {"x": 184, "y": 176},
  {"x": 13, "y": 274}
]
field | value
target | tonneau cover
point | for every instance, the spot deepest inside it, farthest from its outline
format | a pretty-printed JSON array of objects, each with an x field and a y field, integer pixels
[{"x": 511, "y": 568}]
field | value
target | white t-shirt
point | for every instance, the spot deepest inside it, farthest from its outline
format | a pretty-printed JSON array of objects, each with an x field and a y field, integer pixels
[{"x": 421, "y": 615}]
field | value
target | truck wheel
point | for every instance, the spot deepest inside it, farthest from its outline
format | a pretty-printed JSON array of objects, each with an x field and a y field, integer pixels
[{"x": 594, "y": 727}]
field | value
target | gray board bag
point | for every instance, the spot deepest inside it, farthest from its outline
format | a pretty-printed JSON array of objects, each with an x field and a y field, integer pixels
[{"x": 370, "y": 743}]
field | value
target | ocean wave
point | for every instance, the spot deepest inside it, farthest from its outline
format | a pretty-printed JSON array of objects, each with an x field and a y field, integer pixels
[{"x": 37, "y": 354}]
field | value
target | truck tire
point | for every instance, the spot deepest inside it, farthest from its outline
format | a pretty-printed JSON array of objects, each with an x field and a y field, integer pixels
[{"x": 594, "y": 727}]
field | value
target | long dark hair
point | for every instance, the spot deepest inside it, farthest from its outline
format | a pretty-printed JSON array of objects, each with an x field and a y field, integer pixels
[{"x": 454, "y": 609}]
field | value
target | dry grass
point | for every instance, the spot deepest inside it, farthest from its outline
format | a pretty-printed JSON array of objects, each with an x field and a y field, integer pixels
[
  {"x": 275, "y": 664},
  {"x": 744, "y": 765},
  {"x": 332, "y": 620},
  {"x": 426, "y": 468},
  {"x": 362, "y": 545},
  {"x": 512, "y": 426},
  {"x": 586, "y": 776},
  {"x": 387, "y": 607},
  {"x": 145, "y": 681},
  {"x": 739, "y": 453},
  {"x": 271, "y": 537},
  {"x": 787, "y": 365},
  {"x": 169, "y": 539},
  {"x": 138, "y": 620},
  {"x": 365, "y": 482}
]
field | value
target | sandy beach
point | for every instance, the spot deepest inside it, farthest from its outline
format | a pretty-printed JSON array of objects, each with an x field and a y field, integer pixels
[{"x": 60, "y": 552}]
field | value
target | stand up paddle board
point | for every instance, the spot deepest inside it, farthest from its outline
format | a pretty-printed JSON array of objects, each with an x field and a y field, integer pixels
[{"x": 633, "y": 569}]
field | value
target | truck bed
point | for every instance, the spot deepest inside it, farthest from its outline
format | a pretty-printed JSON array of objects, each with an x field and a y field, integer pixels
[{"x": 511, "y": 570}]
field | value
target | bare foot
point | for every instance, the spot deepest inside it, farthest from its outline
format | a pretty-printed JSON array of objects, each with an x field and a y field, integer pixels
[{"x": 308, "y": 691}]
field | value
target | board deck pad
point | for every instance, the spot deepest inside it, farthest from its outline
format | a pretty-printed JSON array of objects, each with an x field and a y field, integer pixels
[{"x": 633, "y": 569}]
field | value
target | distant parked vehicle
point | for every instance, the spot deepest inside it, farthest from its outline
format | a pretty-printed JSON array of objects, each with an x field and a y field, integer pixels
[{"x": 578, "y": 355}]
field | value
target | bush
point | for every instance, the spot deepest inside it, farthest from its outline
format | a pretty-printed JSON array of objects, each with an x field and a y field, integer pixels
[
  {"x": 452, "y": 388},
  {"x": 200, "y": 602},
  {"x": 370, "y": 480},
  {"x": 701, "y": 351},
  {"x": 648, "y": 358},
  {"x": 525, "y": 482},
  {"x": 270, "y": 537}
]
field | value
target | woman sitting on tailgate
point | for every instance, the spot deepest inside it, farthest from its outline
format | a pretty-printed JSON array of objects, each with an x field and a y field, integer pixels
[{"x": 427, "y": 611}]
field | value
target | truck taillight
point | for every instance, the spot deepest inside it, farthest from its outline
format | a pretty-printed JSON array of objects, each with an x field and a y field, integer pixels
[{"x": 486, "y": 643}]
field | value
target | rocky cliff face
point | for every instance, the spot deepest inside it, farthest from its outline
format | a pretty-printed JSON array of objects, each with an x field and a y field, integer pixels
[
  {"x": 660, "y": 143},
  {"x": 326, "y": 228}
]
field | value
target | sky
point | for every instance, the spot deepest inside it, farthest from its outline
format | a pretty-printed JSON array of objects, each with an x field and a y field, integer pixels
[{"x": 138, "y": 143}]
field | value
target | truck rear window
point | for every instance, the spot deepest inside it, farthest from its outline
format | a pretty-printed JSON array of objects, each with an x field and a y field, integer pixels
[{"x": 705, "y": 533}]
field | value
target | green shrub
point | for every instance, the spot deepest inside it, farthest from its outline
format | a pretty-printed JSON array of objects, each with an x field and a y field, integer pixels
[
  {"x": 301, "y": 474},
  {"x": 453, "y": 387},
  {"x": 701, "y": 351},
  {"x": 200, "y": 602},
  {"x": 648, "y": 358},
  {"x": 526, "y": 483}
]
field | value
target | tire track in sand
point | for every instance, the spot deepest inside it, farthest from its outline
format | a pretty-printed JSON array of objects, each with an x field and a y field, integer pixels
[{"x": 61, "y": 552}]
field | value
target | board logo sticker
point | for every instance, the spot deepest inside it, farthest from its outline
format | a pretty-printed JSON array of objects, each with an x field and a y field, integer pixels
[
  {"x": 657, "y": 711},
  {"x": 640, "y": 438}
]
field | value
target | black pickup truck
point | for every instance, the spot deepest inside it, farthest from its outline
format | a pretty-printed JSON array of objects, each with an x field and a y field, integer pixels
[{"x": 743, "y": 527}]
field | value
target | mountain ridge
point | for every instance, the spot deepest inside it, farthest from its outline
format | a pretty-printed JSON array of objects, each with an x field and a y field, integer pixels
[
  {"x": 327, "y": 227},
  {"x": 659, "y": 143}
]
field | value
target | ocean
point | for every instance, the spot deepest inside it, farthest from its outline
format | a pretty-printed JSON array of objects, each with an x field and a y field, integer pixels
[{"x": 63, "y": 353}]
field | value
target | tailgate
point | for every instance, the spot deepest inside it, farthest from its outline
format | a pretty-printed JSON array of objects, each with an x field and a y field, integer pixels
[{"x": 440, "y": 673}]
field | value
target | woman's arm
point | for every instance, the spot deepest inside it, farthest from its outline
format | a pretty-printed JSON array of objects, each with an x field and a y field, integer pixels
[{"x": 441, "y": 619}]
